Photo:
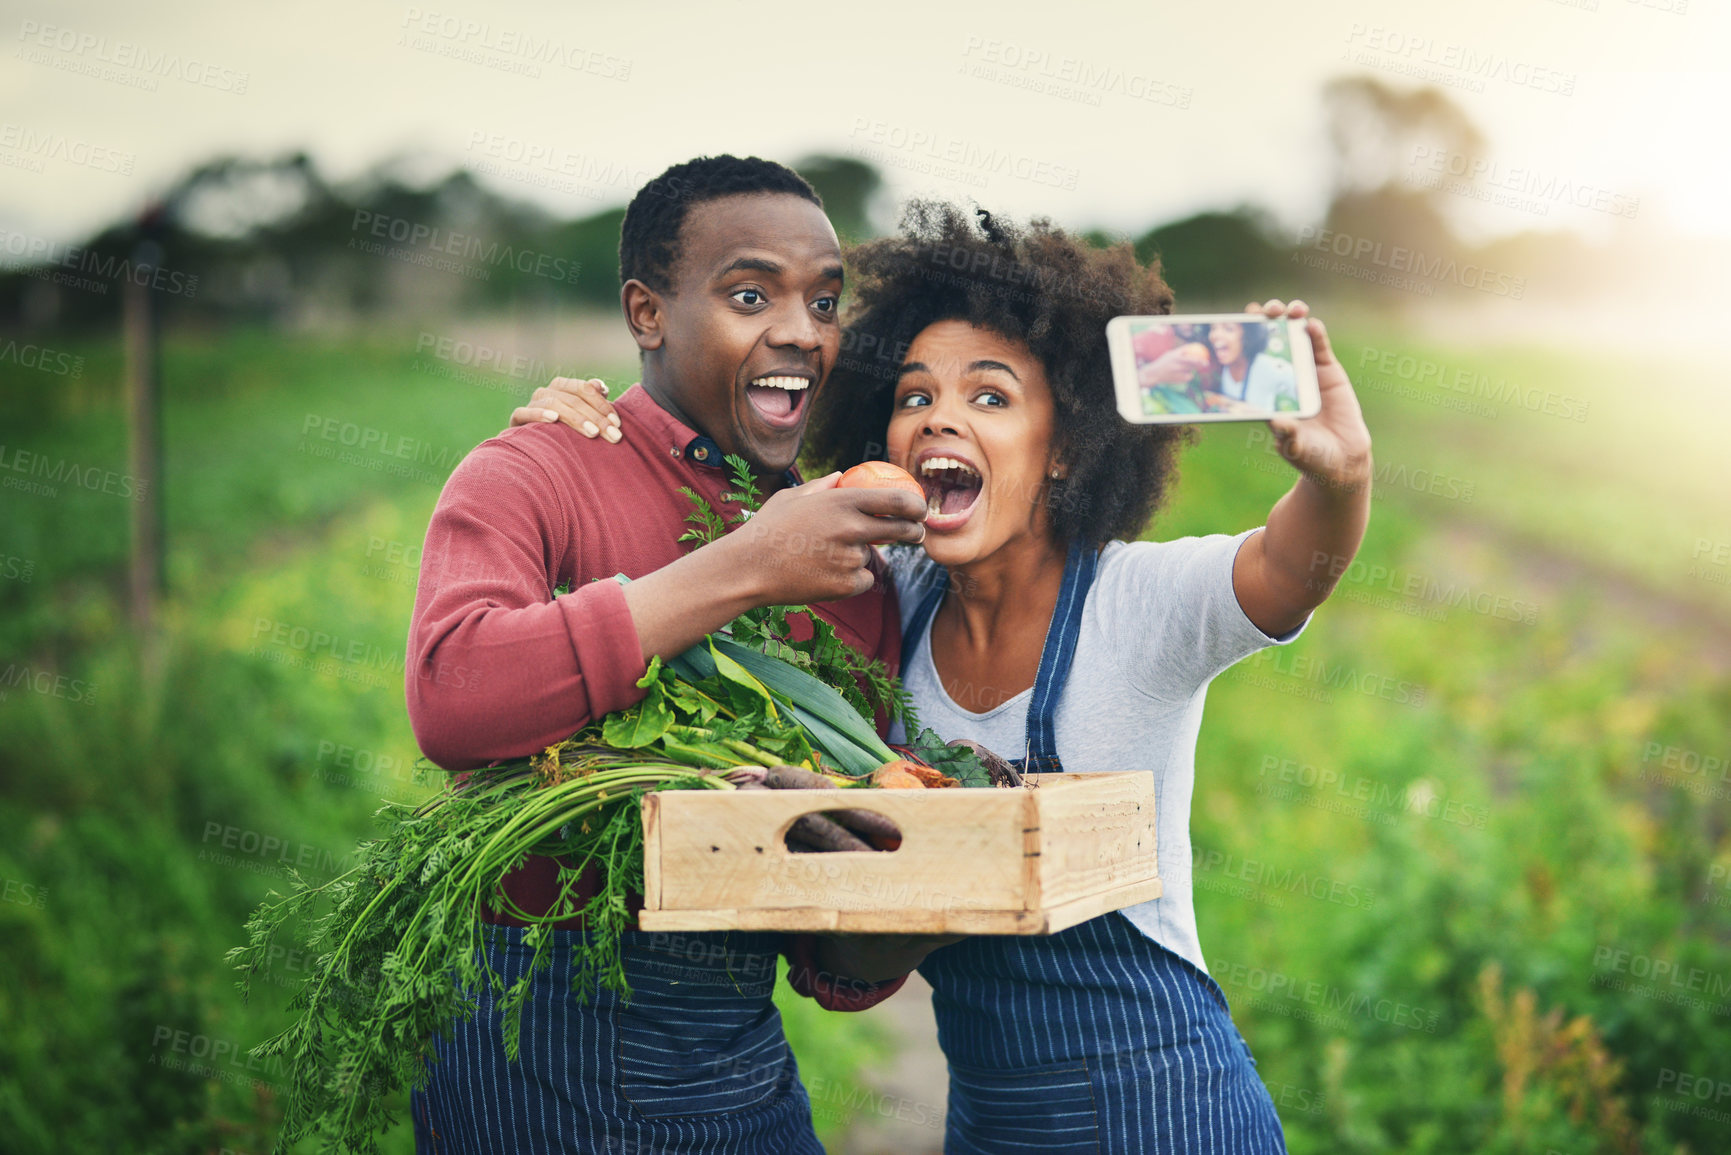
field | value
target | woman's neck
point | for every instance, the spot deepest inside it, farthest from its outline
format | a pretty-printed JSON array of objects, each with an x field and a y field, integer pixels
[
  {"x": 1011, "y": 590},
  {"x": 1236, "y": 369}
]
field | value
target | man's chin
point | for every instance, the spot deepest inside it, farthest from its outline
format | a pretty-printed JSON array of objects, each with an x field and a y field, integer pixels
[{"x": 770, "y": 455}]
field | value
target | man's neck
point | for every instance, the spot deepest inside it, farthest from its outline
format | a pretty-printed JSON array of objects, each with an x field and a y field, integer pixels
[{"x": 662, "y": 394}]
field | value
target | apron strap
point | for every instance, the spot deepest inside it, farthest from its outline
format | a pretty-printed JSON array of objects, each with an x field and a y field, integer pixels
[
  {"x": 1055, "y": 656},
  {"x": 923, "y": 613}
]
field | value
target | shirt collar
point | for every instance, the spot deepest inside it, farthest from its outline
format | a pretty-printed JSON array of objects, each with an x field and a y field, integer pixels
[{"x": 703, "y": 451}]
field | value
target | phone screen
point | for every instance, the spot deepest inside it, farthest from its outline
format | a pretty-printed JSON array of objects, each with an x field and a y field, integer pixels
[{"x": 1210, "y": 368}]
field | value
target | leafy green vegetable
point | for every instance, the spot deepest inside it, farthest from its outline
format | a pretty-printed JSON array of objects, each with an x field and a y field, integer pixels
[
  {"x": 813, "y": 697},
  {"x": 642, "y": 724},
  {"x": 739, "y": 676},
  {"x": 958, "y": 762}
]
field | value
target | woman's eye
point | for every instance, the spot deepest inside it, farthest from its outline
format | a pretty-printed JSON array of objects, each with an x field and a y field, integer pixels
[
  {"x": 913, "y": 401},
  {"x": 991, "y": 398},
  {"x": 756, "y": 295}
]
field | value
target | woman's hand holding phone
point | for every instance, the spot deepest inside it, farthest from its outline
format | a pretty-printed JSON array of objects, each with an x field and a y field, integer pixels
[
  {"x": 1288, "y": 569},
  {"x": 1333, "y": 447}
]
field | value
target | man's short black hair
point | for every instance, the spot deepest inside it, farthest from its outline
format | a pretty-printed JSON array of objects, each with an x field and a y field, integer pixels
[
  {"x": 1038, "y": 285},
  {"x": 649, "y": 238}
]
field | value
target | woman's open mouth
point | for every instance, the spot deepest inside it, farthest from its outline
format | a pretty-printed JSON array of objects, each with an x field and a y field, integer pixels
[
  {"x": 953, "y": 490},
  {"x": 779, "y": 400}
]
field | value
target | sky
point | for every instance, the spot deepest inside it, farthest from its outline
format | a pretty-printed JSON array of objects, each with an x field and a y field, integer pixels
[{"x": 1113, "y": 116}]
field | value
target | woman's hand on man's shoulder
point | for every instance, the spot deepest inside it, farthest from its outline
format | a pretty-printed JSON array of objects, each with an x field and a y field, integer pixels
[{"x": 580, "y": 403}]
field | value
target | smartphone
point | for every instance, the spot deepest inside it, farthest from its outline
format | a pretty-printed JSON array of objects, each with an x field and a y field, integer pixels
[{"x": 1211, "y": 367}]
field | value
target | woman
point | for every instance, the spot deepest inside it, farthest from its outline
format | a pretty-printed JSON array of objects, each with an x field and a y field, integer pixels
[
  {"x": 1031, "y": 627},
  {"x": 1250, "y": 374}
]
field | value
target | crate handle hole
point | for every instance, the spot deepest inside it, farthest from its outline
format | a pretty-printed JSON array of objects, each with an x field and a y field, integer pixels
[{"x": 867, "y": 826}]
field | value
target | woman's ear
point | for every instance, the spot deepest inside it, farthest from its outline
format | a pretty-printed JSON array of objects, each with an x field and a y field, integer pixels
[
  {"x": 1057, "y": 467},
  {"x": 643, "y": 312}
]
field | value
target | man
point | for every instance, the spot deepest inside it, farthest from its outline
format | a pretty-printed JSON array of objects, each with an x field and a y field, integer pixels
[{"x": 732, "y": 278}]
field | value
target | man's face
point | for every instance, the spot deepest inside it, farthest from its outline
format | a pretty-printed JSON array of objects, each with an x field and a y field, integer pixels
[{"x": 750, "y": 329}]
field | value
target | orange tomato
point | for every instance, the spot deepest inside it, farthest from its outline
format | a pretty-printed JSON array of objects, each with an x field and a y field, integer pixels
[{"x": 880, "y": 475}]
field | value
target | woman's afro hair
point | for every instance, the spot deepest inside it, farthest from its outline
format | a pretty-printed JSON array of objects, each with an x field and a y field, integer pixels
[{"x": 1036, "y": 285}]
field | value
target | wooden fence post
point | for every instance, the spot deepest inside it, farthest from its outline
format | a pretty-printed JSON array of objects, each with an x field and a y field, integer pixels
[{"x": 142, "y": 331}]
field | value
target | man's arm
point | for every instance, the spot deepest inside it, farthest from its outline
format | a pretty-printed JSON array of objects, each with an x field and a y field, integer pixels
[
  {"x": 1290, "y": 568},
  {"x": 498, "y": 667}
]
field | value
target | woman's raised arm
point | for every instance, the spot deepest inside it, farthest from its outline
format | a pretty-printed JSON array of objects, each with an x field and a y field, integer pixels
[{"x": 1313, "y": 531}]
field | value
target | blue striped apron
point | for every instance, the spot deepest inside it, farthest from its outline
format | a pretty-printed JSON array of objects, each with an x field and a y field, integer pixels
[
  {"x": 694, "y": 1064},
  {"x": 1095, "y": 1039}
]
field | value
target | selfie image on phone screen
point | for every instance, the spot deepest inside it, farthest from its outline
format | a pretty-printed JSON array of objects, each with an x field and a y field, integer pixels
[{"x": 1225, "y": 367}]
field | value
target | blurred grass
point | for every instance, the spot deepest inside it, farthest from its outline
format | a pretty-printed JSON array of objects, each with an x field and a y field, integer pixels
[{"x": 1540, "y": 840}]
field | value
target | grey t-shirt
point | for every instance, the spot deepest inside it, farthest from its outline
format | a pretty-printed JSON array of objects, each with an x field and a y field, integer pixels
[{"x": 1160, "y": 622}]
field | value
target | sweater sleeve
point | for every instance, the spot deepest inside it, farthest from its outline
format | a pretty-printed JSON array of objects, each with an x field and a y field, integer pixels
[
  {"x": 831, "y": 992},
  {"x": 498, "y": 667}
]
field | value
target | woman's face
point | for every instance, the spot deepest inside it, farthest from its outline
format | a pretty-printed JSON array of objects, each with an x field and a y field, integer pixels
[
  {"x": 1227, "y": 337},
  {"x": 972, "y": 420}
]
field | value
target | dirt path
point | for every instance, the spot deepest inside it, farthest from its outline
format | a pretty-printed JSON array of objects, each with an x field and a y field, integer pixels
[
  {"x": 1552, "y": 576},
  {"x": 907, "y": 1115}
]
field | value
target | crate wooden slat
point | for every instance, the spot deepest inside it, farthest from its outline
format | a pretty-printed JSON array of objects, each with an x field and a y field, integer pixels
[{"x": 1029, "y": 861}]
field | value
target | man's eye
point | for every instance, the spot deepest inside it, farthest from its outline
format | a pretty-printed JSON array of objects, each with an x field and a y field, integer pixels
[
  {"x": 824, "y": 304},
  {"x": 756, "y": 296}
]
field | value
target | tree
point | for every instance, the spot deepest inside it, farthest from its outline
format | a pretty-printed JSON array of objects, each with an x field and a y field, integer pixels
[
  {"x": 850, "y": 190},
  {"x": 1216, "y": 258},
  {"x": 1378, "y": 135}
]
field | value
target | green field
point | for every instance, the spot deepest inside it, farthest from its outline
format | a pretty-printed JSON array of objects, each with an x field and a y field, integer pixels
[{"x": 1463, "y": 862}]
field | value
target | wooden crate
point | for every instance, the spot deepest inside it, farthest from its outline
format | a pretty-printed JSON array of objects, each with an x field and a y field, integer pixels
[{"x": 1028, "y": 861}]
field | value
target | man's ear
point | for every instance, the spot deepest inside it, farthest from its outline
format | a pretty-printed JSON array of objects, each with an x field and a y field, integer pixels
[{"x": 644, "y": 313}]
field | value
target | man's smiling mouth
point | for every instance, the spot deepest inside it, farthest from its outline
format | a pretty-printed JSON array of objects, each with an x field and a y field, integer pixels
[{"x": 779, "y": 399}]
